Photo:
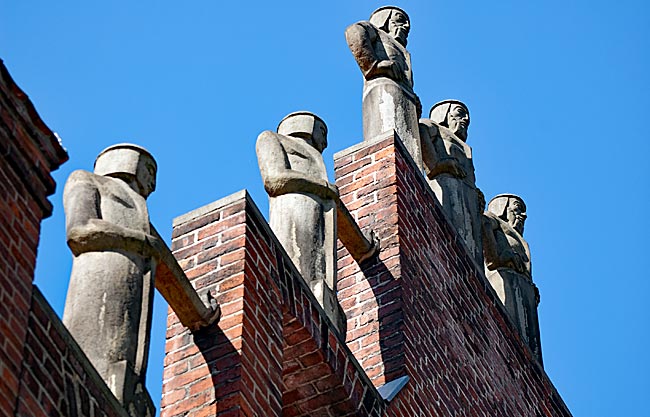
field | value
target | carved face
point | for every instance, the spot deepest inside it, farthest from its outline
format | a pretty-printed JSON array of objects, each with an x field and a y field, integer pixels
[
  {"x": 458, "y": 121},
  {"x": 516, "y": 215},
  {"x": 146, "y": 176},
  {"x": 319, "y": 136},
  {"x": 399, "y": 27}
]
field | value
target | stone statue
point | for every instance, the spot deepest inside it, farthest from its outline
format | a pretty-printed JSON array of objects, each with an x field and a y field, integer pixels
[
  {"x": 379, "y": 47},
  {"x": 508, "y": 268},
  {"x": 303, "y": 203},
  {"x": 108, "y": 307},
  {"x": 450, "y": 170}
]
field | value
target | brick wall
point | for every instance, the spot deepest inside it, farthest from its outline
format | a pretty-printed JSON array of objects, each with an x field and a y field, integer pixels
[
  {"x": 373, "y": 297},
  {"x": 43, "y": 372},
  {"x": 274, "y": 352},
  {"x": 28, "y": 152},
  {"x": 424, "y": 308},
  {"x": 57, "y": 379}
]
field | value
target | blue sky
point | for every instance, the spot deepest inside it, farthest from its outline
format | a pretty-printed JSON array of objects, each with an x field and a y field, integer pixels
[{"x": 558, "y": 92}]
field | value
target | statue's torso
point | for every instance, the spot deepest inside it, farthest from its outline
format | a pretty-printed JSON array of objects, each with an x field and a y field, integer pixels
[
  {"x": 303, "y": 222},
  {"x": 121, "y": 205},
  {"x": 303, "y": 158},
  {"x": 105, "y": 297},
  {"x": 388, "y": 102},
  {"x": 387, "y": 48},
  {"x": 513, "y": 283},
  {"x": 518, "y": 245},
  {"x": 456, "y": 194},
  {"x": 507, "y": 239},
  {"x": 450, "y": 146}
]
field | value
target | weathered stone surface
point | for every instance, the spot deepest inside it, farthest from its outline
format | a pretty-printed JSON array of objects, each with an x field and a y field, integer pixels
[
  {"x": 303, "y": 203},
  {"x": 389, "y": 102},
  {"x": 172, "y": 283},
  {"x": 450, "y": 170},
  {"x": 508, "y": 266},
  {"x": 362, "y": 246},
  {"x": 108, "y": 308}
]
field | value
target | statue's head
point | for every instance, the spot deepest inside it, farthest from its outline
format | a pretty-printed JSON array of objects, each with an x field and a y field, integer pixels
[
  {"x": 305, "y": 125},
  {"x": 454, "y": 114},
  {"x": 393, "y": 21},
  {"x": 511, "y": 209},
  {"x": 131, "y": 163}
]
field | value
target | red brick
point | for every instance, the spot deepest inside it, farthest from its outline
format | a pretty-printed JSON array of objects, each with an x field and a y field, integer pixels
[{"x": 270, "y": 357}]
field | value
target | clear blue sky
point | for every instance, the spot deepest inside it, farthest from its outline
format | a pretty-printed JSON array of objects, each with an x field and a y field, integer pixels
[{"x": 558, "y": 93}]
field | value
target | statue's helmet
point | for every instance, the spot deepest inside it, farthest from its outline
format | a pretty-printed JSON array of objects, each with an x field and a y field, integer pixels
[
  {"x": 440, "y": 114},
  {"x": 381, "y": 16},
  {"x": 305, "y": 125},
  {"x": 440, "y": 110},
  {"x": 126, "y": 160},
  {"x": 516, "y": 217},
  {"x": 500, "y": 203}
]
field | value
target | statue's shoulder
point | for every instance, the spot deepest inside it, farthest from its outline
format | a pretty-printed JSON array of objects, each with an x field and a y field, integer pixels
[
  {"x": 362, "y": 25},
  {"x": 429, "y": 128},
  {"x": 268, "y": 137},
  {"x": 446, "y": 133},
  {"x": 81, "y": 182},
  {"x": 81, "y": 176},
  {"x": 85, "y": 179},
  {"x": 366, "y": 24},
  {"x": 429, "y": 123},
  {"x": 492, "y": 220},
  {"x": 449, "y": 136},
  {"x": 270, "y": 144}
]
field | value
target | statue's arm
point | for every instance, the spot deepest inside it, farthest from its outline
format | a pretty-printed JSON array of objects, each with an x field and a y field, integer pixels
[
  {"x": 435, "y": 160},
  {"x": 428, "y": 134},
  {"x": 360, "y": 37},
  {"x": 490, "y": 251},
  {"x": 481, "y": 199},
  {"x": 528, "y": 263},
  {"x": 86, "y": 231},
  {"x": 279, "y": 179},
  {"x": 496, "y": 250}
]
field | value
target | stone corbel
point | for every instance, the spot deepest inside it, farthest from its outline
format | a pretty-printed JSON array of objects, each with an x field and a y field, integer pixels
[
  {"x": 179, "y": 293},
  {"x": 361, "y": 246}
]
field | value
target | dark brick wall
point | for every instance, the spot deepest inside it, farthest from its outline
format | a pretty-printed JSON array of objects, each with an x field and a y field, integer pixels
[
  {"x": 425, "y": 309},
  {"x": 57, "y": 380},
  {"x": 42, "y": 370},
  {"x": 29, "y": 151}
]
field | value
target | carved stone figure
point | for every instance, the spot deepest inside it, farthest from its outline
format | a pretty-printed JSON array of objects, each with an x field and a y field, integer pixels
[
  {"x": 508, "y": 267},
  {"x": 450, "y": 170},
  {"x": 108, "y": 307},
  {"x": 303, "y": 203},
  {"x": 379, "y": 47}
]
